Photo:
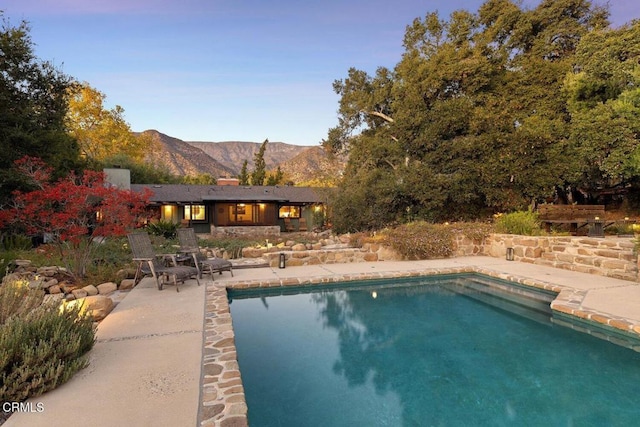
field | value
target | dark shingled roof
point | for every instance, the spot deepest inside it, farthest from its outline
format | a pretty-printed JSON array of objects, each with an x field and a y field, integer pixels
[{"x": 180, "y": 193}]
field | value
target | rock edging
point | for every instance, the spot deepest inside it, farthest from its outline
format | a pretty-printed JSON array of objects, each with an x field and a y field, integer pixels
[{"x": 56, "y": 282}]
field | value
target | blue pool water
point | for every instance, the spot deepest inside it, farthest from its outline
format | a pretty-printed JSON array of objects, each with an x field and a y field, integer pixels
[{"x": 432, "y": 352}]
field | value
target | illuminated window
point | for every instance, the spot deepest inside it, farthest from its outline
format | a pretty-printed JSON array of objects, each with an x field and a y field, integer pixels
[
  {"x": 194, "y": 213},
  {"x": 289, "y": 212},
  {"x": 169, "y": 213}
]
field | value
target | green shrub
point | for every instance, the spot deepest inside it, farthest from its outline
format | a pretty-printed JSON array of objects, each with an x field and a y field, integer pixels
[
  {"x": 43, "y": 255},
  {"x": 41, "y": 346},
  {"x": 6, "y": 258},
  {"x": 16, "y": 299},
  {"x": 319, "y": 219},
  {"x": 476, "y": 231},
  {"x": 421, "y": 240},
  {"x": 15, "y": 242},
  {"x": 109, "y": 257},
  {"x": 525, "y": 223},
  {"x": 166, "y": 229},
  {"x": 38, "y": 257},
  {"x": 621, "y": 229}
]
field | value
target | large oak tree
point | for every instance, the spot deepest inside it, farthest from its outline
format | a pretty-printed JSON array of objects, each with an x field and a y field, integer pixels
[{"x": 473, "y": 118}]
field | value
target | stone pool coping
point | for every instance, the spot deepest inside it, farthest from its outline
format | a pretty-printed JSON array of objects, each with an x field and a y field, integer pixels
[{"x": 222, "y": 399}]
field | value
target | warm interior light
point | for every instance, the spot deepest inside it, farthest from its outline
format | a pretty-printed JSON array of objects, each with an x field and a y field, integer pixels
[{"x": 167, "y": 212}]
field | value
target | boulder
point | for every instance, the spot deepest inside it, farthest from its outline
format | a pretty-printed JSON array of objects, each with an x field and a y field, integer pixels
[
  {"x": 371, "y": 256},
  {"x": 67, "y": 287},
  {"x": 127, "y": 284},
  {"x": 47, "y": 271},
  {"x": 252, "y": 252},
  {"x": 126, "y": 273},
  {"x": 37, "y": 284},
  {"x": 50, "y": 283},
  {"x": 55, "y": 290},
  {"x": 90, "y": 290},
  {"x": 22, "y": 262},
  {"x": 299, "y": 247},
  {"x": 79, "y": 293},
  {"x": 107, "y": 288},
  {"x": 98, "y": 306}
]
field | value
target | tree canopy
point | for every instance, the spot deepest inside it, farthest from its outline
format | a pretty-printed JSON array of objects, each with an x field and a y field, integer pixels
[
  {"x": 101, "y": 132},
  {"x": 489, "y": 111},
  {"x": 33, "y": 105},
  {"x": 259, "y": 173}
]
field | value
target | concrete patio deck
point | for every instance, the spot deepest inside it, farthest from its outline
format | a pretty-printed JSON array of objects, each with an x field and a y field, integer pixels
[{"x": 152, "y": 364}]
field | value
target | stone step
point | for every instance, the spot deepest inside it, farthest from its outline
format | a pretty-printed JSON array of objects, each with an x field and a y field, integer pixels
[
  {"x": 616, "y": 274},
  {"x": 626, "y": 255}
]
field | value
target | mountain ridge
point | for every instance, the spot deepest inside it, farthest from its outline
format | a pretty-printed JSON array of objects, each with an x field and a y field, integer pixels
[{"x": 225, "y": 158}]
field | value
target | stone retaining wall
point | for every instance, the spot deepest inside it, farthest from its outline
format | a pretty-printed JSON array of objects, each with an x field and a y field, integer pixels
[
  {"x": 611, "y": 257},
  {"x": 246, "y": 230},
  {"x": 369, "y": 252}
]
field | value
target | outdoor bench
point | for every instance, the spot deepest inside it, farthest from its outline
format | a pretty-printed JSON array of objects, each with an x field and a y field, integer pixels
[{"x": 576, "y": 216}]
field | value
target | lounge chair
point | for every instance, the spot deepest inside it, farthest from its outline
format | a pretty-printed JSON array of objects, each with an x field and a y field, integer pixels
[
  {"x": 302, "y": 224},
  {"x": 150, "y": 263},
  {"x": 189, "y": 245},
  {"x": 288, "y": 226}
]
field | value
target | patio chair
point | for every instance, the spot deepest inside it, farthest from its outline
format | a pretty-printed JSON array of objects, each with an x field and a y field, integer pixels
[
  {"x": 189, "y": 245},
  {"x": 302, "y": 224},
  {"x": 150, "y": 263},
  {"x": 288, "y": 226}
]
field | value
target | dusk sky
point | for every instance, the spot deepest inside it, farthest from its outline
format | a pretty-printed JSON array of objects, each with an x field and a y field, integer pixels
[{"x": 222, "y": 70}]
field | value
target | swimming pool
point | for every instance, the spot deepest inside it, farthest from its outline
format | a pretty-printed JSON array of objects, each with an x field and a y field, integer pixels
[{"x": 452, "y": 350}]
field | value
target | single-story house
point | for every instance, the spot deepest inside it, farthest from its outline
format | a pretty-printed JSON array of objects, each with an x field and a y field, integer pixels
[{"x": 236, "y": 209}]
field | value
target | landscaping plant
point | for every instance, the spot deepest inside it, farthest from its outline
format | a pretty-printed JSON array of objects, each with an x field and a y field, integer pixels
[
  {"x": 166, "y": 229},
  {"x": 42, "y": 344},
  {"x": 476, "y": 231},
  {"x": 75, "y": 213},
  {"x": 525, "y": 223},
  {"x": 421, "y": 240}
]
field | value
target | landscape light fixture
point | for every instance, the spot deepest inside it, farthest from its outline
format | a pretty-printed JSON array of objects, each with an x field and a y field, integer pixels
[{"x": 509, "y": 254}]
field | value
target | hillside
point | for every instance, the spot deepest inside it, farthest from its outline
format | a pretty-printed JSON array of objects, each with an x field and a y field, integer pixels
[
  {"x": 313, "y": 167},
  {"x": 301, "y": 164},
  {"x": 233, "y": 153},
  {"x": 181, "y": 158}
]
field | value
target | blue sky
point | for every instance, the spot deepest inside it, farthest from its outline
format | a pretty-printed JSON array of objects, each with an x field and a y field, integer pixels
[{"x": 221, "y": 70}]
